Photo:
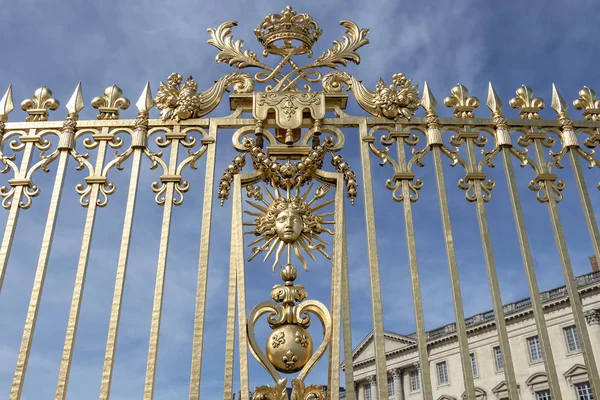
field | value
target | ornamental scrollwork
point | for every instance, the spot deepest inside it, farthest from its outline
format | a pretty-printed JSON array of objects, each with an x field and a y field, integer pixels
[
  {"x": 310, "y": 392},
  {"x": 475, "y": 178},
  {"x": 403, "y": 174},
  {"x": 288, "y": 174},
  {"x": 278, "y": 392},
  {"x": 288, "y": 107},
  {"x": 286, "y": 35}
]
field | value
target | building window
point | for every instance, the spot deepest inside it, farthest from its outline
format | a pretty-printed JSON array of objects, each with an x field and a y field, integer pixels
[
  {"x": 474, "y": 369},
  {"x": 498, "y": 359},
  {"x": 584, "y": 391},
  {"x": 368, "y": 392},
  {"x": 442, "y": 373},
  {"x": 572, "y": 339},
  {"x": 534, "y": 348},
  {"x": 543, "y": 395},
  {"x": 415, "y": 381},
  {"x": 390, "y": 386}
]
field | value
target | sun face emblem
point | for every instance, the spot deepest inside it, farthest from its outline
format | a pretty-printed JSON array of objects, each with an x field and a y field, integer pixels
[{"x": 288, "y": 223}]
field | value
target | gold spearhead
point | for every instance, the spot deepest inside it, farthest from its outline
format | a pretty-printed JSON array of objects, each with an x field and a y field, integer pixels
[
  {"x": 145, "y": 102},
  {"x": 6, "y": 104},
  {"x": 493, "y": 100},
  {"x": 560, "y": 106},
  {"x": 75, "y": 104},
  {"x": 558, "y": 103},
  {"x": 428, "y": 101}
]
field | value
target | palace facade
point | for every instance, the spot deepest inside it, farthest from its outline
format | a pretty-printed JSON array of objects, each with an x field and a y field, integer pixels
[{"x": 404, "y": 381}]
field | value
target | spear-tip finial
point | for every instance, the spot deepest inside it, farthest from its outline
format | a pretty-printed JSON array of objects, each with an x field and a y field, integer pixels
[
  {"x": 6, "y": 104},
  {"x": 428, "y": 101},
  {"x": 493, "y": 100},
  {"x": 75, "y": 104},
  {"x": 145, "y": 102},
  {"x": 558, "y": 103}
]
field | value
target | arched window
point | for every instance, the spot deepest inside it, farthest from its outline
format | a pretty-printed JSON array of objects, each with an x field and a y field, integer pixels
[
  {"x": 480, "y": 394},
  {"x": 538, "y": 384},
  {"x": 445, "y": 397}
]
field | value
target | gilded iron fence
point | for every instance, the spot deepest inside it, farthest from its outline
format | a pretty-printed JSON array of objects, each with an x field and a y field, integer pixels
[{"x": 287, "y": 132}]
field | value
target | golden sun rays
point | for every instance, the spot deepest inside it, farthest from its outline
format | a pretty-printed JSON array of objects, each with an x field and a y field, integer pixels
[{"x": 288, "y": 223}]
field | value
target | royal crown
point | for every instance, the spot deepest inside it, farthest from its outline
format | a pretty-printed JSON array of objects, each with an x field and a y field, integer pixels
[{"x": 297, "y": 31}]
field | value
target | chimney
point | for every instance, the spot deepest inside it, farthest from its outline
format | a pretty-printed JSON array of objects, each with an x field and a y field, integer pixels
[{"x": 594, "y": 263}]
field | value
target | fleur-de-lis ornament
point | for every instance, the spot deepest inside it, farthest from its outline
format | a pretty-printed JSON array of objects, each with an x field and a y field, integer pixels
[
  {"x": 38, "y": 106},
  {"x": 587, "y": 102},
  {"x": 463, "y": 103},
  {"x": 109, "y": 104},
  {"x": 529, "y": 105}
]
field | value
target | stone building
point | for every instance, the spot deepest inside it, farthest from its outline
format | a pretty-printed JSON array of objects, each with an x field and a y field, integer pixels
[{"x": 446, "y": 374}]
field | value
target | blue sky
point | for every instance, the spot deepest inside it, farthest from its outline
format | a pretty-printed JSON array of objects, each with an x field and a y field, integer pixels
[{"x": 128, "y": 43}]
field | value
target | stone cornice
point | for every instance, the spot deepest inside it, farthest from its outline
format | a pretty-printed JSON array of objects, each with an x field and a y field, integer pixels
[{"x": 552, "y": 299}]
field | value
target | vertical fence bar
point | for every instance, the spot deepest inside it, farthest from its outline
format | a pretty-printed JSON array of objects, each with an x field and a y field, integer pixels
[
  {"x": 6, "y": 107},
  {"x": 86, "y": 242},
  {"x": 490, "y": 264},
  {"x": 65, "y": 147},
  {"x": 38, "y": 284},
  {"x": 374, "y": 277},
  {"x": 198, "y": 340},
  {"x": 347, "y": 326},
  {"x": 237, "y": 252},
  {"x": 15, "y": 206},
  {"x": 24, "y": 351},
  {"x": 9, "y": 232},
  {"x": 436, "y": 145},
  {"x": 161, "y": 269},
  {"x": 231, "y": 309},
  {"x": 534, "y": 292},
  {"x": 565, "y": 261},
  {"x": 413, "y": 262},
  {"x": 139, "y": 142},
  {"x": 461, "y": 329},
  {"x": 115, "y": 312},
  {"x": 333, "y": 389},
  {"x": 571, "y": 145},
  {"x": 506, "y": 149},
  {"x": 586, "y": 203}
]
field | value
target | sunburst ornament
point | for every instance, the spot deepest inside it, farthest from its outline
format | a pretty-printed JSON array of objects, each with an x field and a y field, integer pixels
[{"x": 288, "y": 222}]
